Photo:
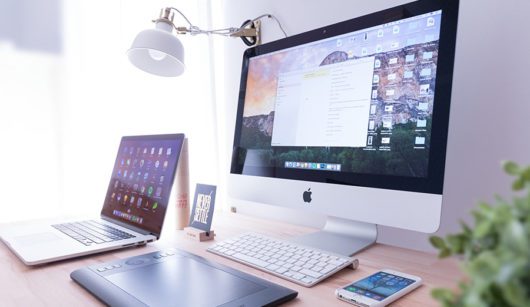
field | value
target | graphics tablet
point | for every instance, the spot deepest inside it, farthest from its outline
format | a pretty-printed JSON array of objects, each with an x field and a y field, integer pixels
[{"x": 177, "y": 278}]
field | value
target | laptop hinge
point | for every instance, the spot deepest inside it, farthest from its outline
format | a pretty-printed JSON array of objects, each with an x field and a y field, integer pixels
[{"x": 128, "y": 226}]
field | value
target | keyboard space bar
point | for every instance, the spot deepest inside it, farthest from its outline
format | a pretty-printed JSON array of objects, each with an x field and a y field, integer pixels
[{"x": 252, "y": 260}]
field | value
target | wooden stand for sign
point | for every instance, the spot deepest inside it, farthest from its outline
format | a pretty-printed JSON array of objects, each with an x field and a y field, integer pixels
[{"x": 199, "y": 235}]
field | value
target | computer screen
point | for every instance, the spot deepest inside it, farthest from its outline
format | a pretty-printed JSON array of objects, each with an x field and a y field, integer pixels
[
  {"x": 345, "y": 107},
  {"x": 350, "y": 120},
  {"x": 141, "y": 181}
]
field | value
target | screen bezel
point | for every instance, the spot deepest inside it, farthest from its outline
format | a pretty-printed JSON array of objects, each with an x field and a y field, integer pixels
[
  {"x": 433, "y": 183},
  {"x": 129, "y": 224}
]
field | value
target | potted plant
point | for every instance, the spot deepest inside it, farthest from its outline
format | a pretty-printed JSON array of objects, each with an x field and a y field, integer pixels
[{"x": 495, "y": 252}]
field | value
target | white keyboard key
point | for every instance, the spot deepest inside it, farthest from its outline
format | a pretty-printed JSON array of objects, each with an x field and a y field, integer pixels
[
  {"x": 311, "y": 273},
  {"x": 252, "y": 260},
  {"x": 299, "y": 263},
  {"x": 281, "y": 270},
  {"x": 308, "y": 280},
  {"x": 337, "y": 262},
  {"x": 298, "y": 276},
  {"x": 317, "y": 268},
  {"x": 326, "y": 270}
]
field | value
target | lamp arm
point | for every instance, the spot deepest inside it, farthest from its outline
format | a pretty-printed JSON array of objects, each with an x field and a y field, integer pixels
[{"x": 231, "y": 31}]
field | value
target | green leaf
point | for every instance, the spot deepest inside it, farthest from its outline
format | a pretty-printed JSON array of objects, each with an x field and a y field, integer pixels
[
  {"x": 526, "y": 174},
  {"x": 511, "y": 168},
  {"x": 444, "y": 253},
  {"x": 514, "y": 237},
  {"x": 485, "y": 267},
  {"x": 437, "y": 242},
  {"x": 456, "y": 243},
  {"x": 518, "y": 184},
  {"x": 444, "y": 296},
  {"x": 515, "y": 293},
  {"x": 466, "y": 229},
  {"x": 482, "y": 229}
]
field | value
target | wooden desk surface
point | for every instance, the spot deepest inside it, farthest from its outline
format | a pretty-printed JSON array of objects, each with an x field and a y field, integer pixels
[{"x": 51, "y": 285}]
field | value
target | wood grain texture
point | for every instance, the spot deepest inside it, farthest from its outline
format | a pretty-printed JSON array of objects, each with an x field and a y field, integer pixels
[{"x": 51, "y": 285}]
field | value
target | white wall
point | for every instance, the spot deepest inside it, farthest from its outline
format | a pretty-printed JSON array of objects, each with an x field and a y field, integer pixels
[
  {"x": 489, "y": 111},
  {"x": 106, "y": 97},
  {"x": 64, "y": 106},
  {"x": 30, "y": 73}
]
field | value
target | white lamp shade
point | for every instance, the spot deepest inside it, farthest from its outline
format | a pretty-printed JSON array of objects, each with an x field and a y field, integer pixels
[{"x": 158, "y": 52}]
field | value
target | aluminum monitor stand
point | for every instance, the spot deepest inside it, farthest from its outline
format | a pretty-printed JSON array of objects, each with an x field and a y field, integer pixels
[{"x": 342, "y": 236}]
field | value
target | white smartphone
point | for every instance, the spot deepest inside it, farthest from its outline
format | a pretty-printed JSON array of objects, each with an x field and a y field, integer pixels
[{"x": 379, "y": 289}]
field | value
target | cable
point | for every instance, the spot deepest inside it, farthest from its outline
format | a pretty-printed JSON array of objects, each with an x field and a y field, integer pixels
[
  {"x": 272, "y": 17},
  {"x": 194, "y": 30},
  {"x": 182, "y": 14}
]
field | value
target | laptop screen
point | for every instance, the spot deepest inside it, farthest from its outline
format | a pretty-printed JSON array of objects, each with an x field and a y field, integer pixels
[{"x": 142, "y": 179}]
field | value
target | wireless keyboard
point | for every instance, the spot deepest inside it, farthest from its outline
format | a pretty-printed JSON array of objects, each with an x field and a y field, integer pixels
[{"x": 300, "y": 264}]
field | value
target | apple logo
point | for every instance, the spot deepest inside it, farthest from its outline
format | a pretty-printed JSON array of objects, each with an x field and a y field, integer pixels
[{"x": 307, "y": 195}]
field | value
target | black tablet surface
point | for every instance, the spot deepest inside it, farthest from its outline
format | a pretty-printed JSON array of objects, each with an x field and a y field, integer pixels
[{"x": 177, "y": 278}]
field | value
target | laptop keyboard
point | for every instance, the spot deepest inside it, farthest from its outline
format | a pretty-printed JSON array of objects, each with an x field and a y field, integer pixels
[{"x": 92, "y": 232}]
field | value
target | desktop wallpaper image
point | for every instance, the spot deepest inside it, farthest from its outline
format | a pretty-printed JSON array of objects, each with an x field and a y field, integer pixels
[{"x": 402, "y": 94}]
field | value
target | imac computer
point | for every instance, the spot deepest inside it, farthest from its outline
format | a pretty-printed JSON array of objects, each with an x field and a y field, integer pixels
[{"x": 350, "y": 121}]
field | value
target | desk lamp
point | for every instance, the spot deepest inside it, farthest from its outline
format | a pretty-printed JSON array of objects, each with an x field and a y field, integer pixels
[{"x": 159, "y": 52}]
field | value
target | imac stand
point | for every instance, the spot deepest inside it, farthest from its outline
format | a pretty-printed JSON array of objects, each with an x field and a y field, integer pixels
[{"x": 342, "y": 236}]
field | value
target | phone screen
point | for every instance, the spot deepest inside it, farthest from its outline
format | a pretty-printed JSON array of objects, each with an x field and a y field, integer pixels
[{"x": 379, "y": 285}]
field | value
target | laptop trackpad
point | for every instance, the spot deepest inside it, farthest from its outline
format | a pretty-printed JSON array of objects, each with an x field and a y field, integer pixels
[
  {"x": 38, "y": 238},
  {"x": 183, "y": 280}
]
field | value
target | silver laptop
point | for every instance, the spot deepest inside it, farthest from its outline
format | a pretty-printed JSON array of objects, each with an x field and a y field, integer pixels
[{"x": 132, "y": 214}]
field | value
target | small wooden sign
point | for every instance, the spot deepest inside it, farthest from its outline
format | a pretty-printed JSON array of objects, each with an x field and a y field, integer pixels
[
  {"x": 203, "y": 206},
  {"x": 202, "y": 214},
  {"x": 199, "y": 235}
]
